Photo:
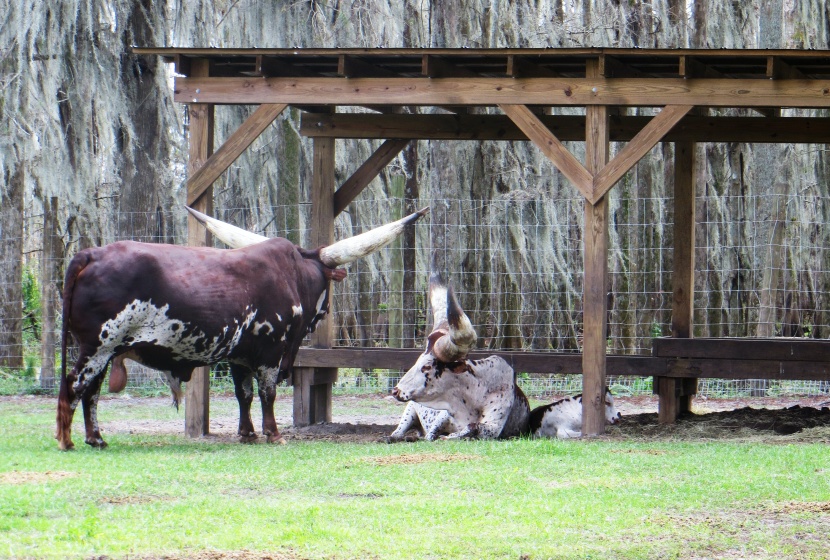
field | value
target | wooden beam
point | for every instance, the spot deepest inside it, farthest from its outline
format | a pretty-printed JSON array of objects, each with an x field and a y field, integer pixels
[
  {"x": 636, "y": 149},
  {"x": 236, "y": 143},
  {"x": 612, "y": 67},
  {"x": 521, "y": 67},
  {"x": 436, "y": 67},
  {"x": 312, "y": 399},
  {"x": 673, "y": 400},
  {"x": 691, "y": 67},
  {"x": 777, "y": 69},
  {"x": 550, "y": 145},
  {"x": 352, "y": 66},
  {"x": 545, "y": 363},
  {"x": 595, "y": 286},
  {"x": 694, "y": 128},
  {"x": 533, "y": 363},
  {"x": 481, "y": 90},
  {"x": 355, "y": 184},
  {"x": 200, "y": 148},
  {"x": 771, "y": 349}
]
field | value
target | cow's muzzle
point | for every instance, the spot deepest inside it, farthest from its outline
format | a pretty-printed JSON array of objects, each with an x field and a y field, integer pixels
[{"x": 398, "y": 395}]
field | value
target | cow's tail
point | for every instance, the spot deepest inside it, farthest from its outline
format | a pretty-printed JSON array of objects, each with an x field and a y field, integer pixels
[{"x": 65, "y": 412}]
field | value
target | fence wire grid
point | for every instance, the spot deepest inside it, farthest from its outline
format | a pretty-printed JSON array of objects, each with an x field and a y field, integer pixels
[{"x": 516, "y": 266}]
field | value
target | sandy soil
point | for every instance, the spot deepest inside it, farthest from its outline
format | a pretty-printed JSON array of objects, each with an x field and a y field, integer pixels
[{"x": 370, "y": 419}]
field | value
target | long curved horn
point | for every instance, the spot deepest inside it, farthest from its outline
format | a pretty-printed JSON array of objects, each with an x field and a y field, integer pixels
[
  {"x": 231, "y": 236},
  {"x": 462, "y": 336},
  {"x": 438, "y": 300},
  {"x": 353, "y": 248}
]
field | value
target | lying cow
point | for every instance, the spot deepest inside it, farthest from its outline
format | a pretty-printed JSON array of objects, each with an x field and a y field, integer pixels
[
  {"x": 449, "y": 393},
  {"x": 563, "y": 418},
  {"x": 175, "y": 308}
]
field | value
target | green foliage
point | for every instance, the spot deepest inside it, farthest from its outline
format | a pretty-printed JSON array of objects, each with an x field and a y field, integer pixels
[
  {"x": 656, "y": 330},
  {"x": 31, "y": 304}
]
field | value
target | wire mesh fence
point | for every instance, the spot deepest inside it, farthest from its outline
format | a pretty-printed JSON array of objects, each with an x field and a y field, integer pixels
[{"x": 516, "y": 266}]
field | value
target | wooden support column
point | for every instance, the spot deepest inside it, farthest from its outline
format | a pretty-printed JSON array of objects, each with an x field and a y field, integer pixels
[
  {"x": 197, "y": 408},
  {"x": 595, "y": 300},
  {"x": 312, "y": 386},
  {"x": 675, "y": 394}
]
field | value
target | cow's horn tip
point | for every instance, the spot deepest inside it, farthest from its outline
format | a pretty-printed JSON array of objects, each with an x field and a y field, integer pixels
[{"x": 423, "y": 211}]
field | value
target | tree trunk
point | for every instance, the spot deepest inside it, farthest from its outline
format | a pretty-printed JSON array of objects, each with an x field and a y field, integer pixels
[
  {"x": 11, "y": 267},
  {"x": 50, "y": 264}
]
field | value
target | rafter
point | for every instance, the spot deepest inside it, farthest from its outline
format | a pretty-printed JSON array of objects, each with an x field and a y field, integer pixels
[
  {"x": 366, "y": 172},
  {"x": 550, "y": 145},
  {"x": 237, "y": 143},
  {"x": 636, "y": 149}
]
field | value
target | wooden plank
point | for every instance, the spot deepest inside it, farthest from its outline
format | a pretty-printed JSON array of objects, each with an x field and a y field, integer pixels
[
  {"x": 789, "y": 349},
  {"x": 720, "y": 368},
  {"x": 532, "y": 363},
  {"x": 355, "y": 184},
  {"x": 595, "y": 288},
  {"x": 566, "y": 92},
  {"x": 546, "y": 363},
  {"x": 691, "y": 128},
  {"x": 639, "y": 146},
  {"x": 578, "y": 53},
  {"x": 197, "y": 399},
  {"x": 550, "y": 145},
  {"x": 227, "y": 153}
]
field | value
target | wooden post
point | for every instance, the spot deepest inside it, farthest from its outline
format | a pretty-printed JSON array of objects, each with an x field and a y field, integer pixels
[
  {"x": 49, "y": 259},
  {"x": 675, "y": 394},
  {"x": 197, "y": 407},
  {"x": 312, "y": 386},
  {"x": 594, "y": 299}
]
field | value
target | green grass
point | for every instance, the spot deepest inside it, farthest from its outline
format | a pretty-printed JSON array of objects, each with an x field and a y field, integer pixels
[{"x": 150, "y": 495}]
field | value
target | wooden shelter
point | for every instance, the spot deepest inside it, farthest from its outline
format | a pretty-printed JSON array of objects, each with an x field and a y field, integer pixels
[{"x": 522, "y": 84}]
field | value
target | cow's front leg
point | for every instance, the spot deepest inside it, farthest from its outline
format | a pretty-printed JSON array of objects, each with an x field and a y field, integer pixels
[
  {"x": 267, "y": 384},
  {"x": 89, "y": 402},
  {"x": 434, "y": 421},
  {"x": 243, "y": 387},
  {"x": 408, "y": 419}
]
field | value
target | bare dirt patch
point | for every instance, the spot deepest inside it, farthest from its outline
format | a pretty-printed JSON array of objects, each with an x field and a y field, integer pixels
[
  {"x": 369, "y": 419},
  {"x": 29, "y": 477},
  {"x": 419, "y": 458}
]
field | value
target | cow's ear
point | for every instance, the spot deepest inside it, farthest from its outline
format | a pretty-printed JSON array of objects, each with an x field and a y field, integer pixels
[
  {"x": 433, "y": 336},
  {"x": 459, "y": 367}
]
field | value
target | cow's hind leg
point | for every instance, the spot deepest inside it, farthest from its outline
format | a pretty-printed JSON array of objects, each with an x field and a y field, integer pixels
[
  {"x": 89, "y": 401},
  {"x": 267, "y": 385},
  {"x": 243, "y": 387},
  {"x": 89, "y": 367},
  {"x": 66, "y": 410}
]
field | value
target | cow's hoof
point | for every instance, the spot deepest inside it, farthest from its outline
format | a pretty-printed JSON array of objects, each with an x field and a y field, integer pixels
[
  {"x": 66, "y": 445},
  {"x": 248, "y": 438},
  {"x": 97, "y": 443},
  {"x": 390, "y": 439},
  {"x": 278, "y": 439}
]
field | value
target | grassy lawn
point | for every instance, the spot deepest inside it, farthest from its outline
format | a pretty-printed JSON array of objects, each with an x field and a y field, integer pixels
[{"x": 150, "y": 495}]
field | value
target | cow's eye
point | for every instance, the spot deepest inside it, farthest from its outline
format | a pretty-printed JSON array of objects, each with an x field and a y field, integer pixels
[{"x": 426, "y": 368}]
